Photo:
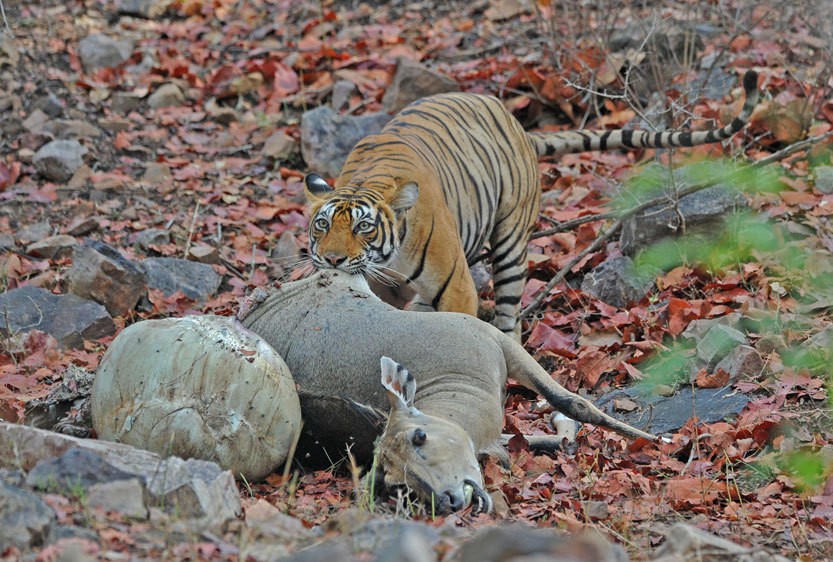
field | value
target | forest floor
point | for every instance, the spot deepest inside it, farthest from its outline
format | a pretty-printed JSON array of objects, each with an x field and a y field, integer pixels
[{"x": 249, "y": 69}]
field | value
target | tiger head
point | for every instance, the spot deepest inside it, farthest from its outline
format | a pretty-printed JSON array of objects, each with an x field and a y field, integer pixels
[{"x": 354, "y": 228}]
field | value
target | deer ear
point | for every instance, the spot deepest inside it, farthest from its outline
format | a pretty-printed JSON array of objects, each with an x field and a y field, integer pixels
[
  {"x": 399, "y": 383},
  {"x": 405, "y": 197},
  {"x": 315, "y": 187}
]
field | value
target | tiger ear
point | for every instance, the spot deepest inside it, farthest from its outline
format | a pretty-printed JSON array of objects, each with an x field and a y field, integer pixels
[
  {"x": 405, "y": 197},
  {"x": 315, "y": 187}
]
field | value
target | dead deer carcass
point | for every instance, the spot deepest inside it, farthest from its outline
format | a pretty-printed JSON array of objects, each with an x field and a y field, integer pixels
[{"x": 332, "y": 332}]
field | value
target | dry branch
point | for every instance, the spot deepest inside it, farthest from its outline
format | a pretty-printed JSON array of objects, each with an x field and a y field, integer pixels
[{"x": 621, "y": 216}]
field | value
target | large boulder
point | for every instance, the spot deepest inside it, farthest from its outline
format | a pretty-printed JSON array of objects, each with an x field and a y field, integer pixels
[{"x": 201, "y": 387}]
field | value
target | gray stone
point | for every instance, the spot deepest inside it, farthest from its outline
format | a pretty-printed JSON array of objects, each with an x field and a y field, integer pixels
[
  {"x": 100, "y": 51},
  {"x": 82, "y": 226},
  {"x": 158, "y": 174},
  {"x": 147, "y": 9},
  {"x": 824, "y": 178},
  {"x": 717, "y": 343},
  {"x": 53, "y": 247},
  {"x": 343, "y": 90},
  {"x": 197, "y": 281},
  {"x": 204, "y": 254},
  {"x": 73, "y": 472},
  {"x": 58, "y": 160},
  {"x": 413, "y": 81},
  {"x": 662, "y": 414},
  {"x": 409, "y": 545},
  {"x": 616, "y": 282},
  {"x": 33, "y": 232},
  {"x": 35, "y": 121},
  {"x": 697, "y": 328},
  {"x": 742, "y": 361},
  {"x": 698, "y": 214},
  {"x": 327, "y": 138},
  {"x": 280, "y": 146},
  {"x": 125, "y": 496},
  {"x": 329, "y": 550},
  {"x": 124, "y": 102},
  {"x": 25, "y": 520},
  {"x": 193, "y": 489},
  {"x": 166, "y": 95},
  {"x": 686, "y": 542},
  {"x": 99, "y": 272},
  {"x": 519, "y": 542},
  {"x": 50, "y": 105},
  {"x": 68, "y": 318},
  {"x": 71, "y": 129},
  {"x": 152, "y": 237},
  {"x": 6, "y": 241}
]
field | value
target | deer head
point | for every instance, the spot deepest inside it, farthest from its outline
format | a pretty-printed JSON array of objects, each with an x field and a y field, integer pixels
[{"x": 433, "y": 457}]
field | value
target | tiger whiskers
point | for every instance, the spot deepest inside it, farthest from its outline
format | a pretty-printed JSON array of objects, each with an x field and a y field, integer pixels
[
  {"x": 296, "y": 267},
  {"x": 383, "y": 274}
]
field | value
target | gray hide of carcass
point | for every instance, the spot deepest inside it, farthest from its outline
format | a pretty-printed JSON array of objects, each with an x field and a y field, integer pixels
[{"x": 332, "y": 332}]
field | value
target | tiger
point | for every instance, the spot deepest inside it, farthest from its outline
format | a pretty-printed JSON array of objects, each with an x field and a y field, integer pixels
[{"x": 453, "y": 175}]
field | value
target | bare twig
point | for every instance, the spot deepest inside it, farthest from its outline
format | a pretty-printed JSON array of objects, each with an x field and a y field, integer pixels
[
  {"x": 535, "y": 304},
  {"x": 191, "y": 230},
  {"x": 5, "y": 21}
]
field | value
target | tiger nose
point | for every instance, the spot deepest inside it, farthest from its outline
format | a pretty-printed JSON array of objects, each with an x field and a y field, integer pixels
[{"x": 334, "y": 259}]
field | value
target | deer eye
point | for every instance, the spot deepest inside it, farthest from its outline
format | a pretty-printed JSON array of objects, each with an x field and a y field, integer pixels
[
  {"x": 321, "y": 224},
  {"x": 418, "y": 438}
]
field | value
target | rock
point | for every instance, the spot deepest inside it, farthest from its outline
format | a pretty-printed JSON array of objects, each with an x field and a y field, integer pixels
[
  {"x": 53, "y": 247},
  {"x": 697, "y": 328},
  {"x": 58, "y": 160},
  {"x": 661, "y": 414},
  {"x": 50, "y": 105},
  {"x": 701, "y": 214},
  {"x": 280, "y": 146},
  {"x": 616, "y": 282},
  {"x": 166, "y": 95},
  {"x": 327, "y": 138},
  {"x": 124, "y": 102},
  {"x": 343, "y": 90},
  {"x": 67, "y": 402},
  {"x": 6, "y": 241},
  {"x": 158, "y": 174},
  {"x": 82, "y": 226},
  {"x": 269, "y": 534},
  {"x": 148, "y": 9},
  {"x": 411, "y": 545},
  {"x": 25, "y": 520},
  {"x": 190, "y": 489},
  {"x": 500, "y": 10},
  {"x": 34, "y": 232},
  {"x": 100, "y": 51},
  {"x": 685, "y": 542},
  {"x": 152, "y": 237},
  {"x": 717, "y": 343},
  {"x": 123, "y": 496},
  {"x": 204, "y": 254},
  {"x": 519, "y": 542},
  {"x": 99, "y": 272},
  {"x": 197, "y": 281},
  {"x": 824, "y": 178},
  {"x": 330, "y": 550},
  {"x": 742, "y": 362},
  {"x": 114, "y": 124},
  {"x": 35, "y": 121},
  {"x": 198, "y": 387},
  {"x": 413, "y": 81},
  {"x": 67, "y": 318},
  {"x": 71, "y": 129},
  {"x": 71, "y": 473}
]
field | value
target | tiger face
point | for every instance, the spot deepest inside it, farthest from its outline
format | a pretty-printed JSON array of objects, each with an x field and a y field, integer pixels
[{"x": 352, "y": 229}]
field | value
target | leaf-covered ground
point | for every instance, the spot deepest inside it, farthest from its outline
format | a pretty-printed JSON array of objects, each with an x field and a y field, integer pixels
[{"x": 248, "y": 71}]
